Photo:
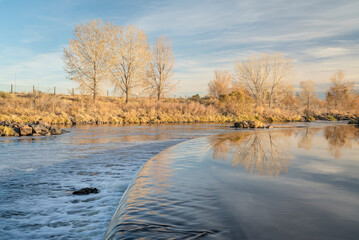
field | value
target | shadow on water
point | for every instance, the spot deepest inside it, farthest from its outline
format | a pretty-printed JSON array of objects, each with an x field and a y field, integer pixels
[{"x": 268, "y": 184}]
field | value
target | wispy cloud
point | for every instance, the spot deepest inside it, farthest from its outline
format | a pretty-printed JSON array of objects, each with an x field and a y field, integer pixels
[{"x": 321, "y": 36}]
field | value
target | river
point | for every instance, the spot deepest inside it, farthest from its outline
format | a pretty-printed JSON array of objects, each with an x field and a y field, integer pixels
[{"x": 38, "y": 175}]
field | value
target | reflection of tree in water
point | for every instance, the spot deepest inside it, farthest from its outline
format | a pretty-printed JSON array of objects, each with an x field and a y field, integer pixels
[
  {"x": 339, "y": 138},
  {"x": 306, "y": 137},
  {"x": 258, "y": 152}
]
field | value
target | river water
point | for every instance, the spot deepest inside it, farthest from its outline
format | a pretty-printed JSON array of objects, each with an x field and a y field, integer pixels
[
  {"x": 297, "y": 183},
  {"x": 208, "y": 181},
  {"x": 39, "y": 174}
]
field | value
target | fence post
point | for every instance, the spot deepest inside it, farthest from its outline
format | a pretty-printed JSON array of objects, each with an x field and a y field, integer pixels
[
  {"x": 33, "y": 89},
  {"x": 73, "y": 92},
  {"x": 11, "y": 88},
  {"x": 54, "y": 90},
  {"x": 107, "y": 93}
]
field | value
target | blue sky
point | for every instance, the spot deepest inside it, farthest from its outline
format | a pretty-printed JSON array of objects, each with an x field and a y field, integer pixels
[{"x": 320, "y": 36}]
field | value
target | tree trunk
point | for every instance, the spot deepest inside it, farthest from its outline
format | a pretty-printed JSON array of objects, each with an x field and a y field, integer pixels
[{"x": 127, "y": 93}]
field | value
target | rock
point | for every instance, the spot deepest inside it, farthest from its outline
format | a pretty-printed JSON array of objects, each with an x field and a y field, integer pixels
[
  {"x": 25, "y": 130},
  {"x": 354, "y": 121},
  {"x": 249, "y": 124},
  {"x": 269, "y": 126},
  {"x": 256, "y": 124},
  {"x": 54, "y": 130},
  {"x": 38, "y": 129},
  {"x": 43, "y": 123},
  {"x": 85, "y": 191}
]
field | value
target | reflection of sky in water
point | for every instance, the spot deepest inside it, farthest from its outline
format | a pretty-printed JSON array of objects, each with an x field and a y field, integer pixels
[
  {"x": 38, "y": 175},
  {"x": 295, "y": 184},
  {"x": 29, "y": 153}
]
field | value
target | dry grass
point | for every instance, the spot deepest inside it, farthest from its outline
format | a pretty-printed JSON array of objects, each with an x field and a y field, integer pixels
[{"x": 65, "y": 109}]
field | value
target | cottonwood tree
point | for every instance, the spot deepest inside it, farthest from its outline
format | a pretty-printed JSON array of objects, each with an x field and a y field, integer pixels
[
  {"x": 158, "y": 81},
  {"x": 132, "y": 57},
  {"x": 220, "y": 85},
  {"x": 253, "y": 75},
  {"x": 307, "y": 93},
  {"x": 340, "y": 91},
  {"x": 281, "y": 68},
  {"x": 88, "y": 58},
  {"x": 263, "y": 74}
]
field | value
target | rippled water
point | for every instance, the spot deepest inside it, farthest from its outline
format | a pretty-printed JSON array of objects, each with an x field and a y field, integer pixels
[
  {"x": 38, "y": 175},
  {"x": 266, "y": 184}
]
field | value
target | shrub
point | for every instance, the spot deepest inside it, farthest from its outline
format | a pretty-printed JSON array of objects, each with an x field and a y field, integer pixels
[{"x": 6, "y": 131}]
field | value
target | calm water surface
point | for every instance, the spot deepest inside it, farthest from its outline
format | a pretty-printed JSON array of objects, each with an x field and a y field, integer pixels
[
  {"x": 266, "y": 184},
  {"x": 38, "y": 175}
]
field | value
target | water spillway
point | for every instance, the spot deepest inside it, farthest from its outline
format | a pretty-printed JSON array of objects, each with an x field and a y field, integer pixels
[{"x": 271, "y": 184}]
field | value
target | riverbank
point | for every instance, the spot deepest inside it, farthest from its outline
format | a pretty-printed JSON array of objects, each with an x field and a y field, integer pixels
[{"x": 27, "y": 109}]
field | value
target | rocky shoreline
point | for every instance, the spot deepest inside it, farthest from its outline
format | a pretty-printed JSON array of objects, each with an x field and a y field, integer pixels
[
  {"x": 39, "y": 128},
  {"x": 259, "y": 124},
  {"x": 42, "y": 128}
]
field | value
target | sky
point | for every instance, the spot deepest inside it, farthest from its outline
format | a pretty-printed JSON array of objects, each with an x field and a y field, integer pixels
[{"x": 320, "y": 36}]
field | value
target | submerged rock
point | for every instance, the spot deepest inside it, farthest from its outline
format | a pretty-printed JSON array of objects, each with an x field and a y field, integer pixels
[
  {"x": 249, "y": 124},
  {"x": 354, "y": 121},
  {"x": 55, "y": 130},
  {"x": 85, "y": 191}
]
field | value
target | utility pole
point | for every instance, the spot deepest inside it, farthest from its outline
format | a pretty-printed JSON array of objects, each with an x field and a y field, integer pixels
[
  {"x": 11, "y": 88},
  {"x": 54, "y": 90},
  {"x": 33, "y": 89}
]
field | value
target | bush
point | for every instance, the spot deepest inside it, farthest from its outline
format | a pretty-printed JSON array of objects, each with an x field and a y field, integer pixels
[
  {"x": 5, "y": 95},
  {"x": 6, "y": 131}
]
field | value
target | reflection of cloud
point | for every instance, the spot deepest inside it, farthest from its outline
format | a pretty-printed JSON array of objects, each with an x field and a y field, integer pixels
[
  {"x": 321, "y": 168},
  {"x": 259, "y": 153}
]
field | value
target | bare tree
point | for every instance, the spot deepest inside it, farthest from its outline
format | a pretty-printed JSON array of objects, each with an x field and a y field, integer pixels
[
  {"x": 253, "y": 75},
  {"x": 263, "y": 74},
  {"x": 132, "y": 57},
  {"x": 159, "y": 75},
  {"x": 307, "y": 94},
  {"x": 340, "y": 91},
  {"x": 220, "y": 85},
  {"x": 281, "y": 68},
  {"x": 88, "y": 58}
]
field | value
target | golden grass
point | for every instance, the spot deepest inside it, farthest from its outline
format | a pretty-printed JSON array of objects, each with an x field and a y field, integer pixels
[{"x": 79, "y": 109}]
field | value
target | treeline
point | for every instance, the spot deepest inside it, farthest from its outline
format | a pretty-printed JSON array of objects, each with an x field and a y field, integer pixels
[
  {"x": 106, "y": 54},
  {"x": 263, "y": 82}
]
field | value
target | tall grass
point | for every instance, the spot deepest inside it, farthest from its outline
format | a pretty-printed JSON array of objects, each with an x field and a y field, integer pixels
[{"x": 80, "y": 109}]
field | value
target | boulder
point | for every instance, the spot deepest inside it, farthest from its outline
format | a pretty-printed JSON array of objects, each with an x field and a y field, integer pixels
[
  {"x": 354, "y": 121},
  {"x": 25, "y": 130},
  {"x": 38, "y": 129},
  {"x": 43, "y": 123},
  {"x": 256, "y": 124},
  {"x": 249, "y": 124},
  {"x": 85, "y": 191},
  {"x": 54, "y": 130}
]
